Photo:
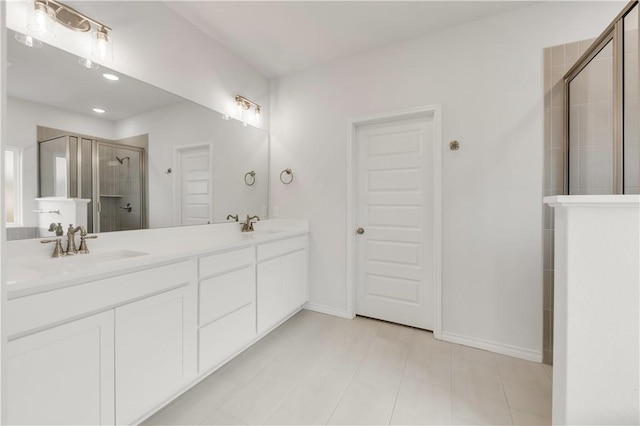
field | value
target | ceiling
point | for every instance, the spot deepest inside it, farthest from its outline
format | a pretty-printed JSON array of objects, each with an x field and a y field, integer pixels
[{"x": 282, "y": 37}]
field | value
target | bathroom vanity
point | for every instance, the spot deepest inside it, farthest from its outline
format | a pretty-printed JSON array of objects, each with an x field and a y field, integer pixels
[{"x": 112, "y": 336}]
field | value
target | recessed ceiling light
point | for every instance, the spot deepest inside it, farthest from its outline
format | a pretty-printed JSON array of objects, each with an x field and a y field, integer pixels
[
  {"x": 99, "y": 110},
  {"x": 111, "y": 77}
]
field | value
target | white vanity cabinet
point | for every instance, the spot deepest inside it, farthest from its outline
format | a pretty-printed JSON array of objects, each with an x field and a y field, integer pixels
[
  {"x": 109, "y": 368},
  {"x": 226, "y": 305},
  {"x": 282, "y": 283},
  {"x": 63, "y": 375},
  {"x": 155, "y": 348},
  {"x": 115, "y": 344}
]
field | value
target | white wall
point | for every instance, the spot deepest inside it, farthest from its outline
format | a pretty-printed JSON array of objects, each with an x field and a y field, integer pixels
[
  {"x": 488, "y": 77},
  {"x": 154, "y": 44},
  {"x": 22, "y": 120}
]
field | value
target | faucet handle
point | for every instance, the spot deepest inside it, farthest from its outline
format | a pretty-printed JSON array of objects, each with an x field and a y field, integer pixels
[
  {"x": 57, "y": 250},
  {"x": 83, "y": 244}
]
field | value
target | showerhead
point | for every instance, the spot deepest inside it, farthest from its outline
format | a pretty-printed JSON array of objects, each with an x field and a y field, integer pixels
[{"x": 121, "y": 160}]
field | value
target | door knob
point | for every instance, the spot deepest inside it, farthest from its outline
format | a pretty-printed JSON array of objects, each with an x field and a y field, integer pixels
[{"x": 360, "y": 231}]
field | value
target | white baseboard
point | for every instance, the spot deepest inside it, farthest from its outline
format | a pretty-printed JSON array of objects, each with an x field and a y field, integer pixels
[
  {"x": 326, "y": 310},
  {"x": 488, "y": 345}
]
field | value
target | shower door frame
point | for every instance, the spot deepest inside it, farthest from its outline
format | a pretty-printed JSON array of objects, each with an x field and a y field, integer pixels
[
  {"x": 613, "y": 33},
  {"x": 96, "y": 182}
]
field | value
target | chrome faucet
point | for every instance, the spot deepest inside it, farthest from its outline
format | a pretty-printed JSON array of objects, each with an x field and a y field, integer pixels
[
  {"x": 71, "y": 238},
  {"x": 247, "y": 226},
  {"x": 233, "y": 216}
]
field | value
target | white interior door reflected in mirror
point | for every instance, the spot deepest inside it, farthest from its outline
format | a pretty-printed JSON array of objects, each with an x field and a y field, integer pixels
[{"x": 193, "y": 191}]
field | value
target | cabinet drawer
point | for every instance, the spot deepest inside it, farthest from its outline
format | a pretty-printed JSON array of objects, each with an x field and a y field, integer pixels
[
  {"x": 278, "y": 248},
  {"x": 226, "y": 293},
  {"x": 43, "y": 309},
  {"x": 223, "y": 338},
  {"x": 218, "y": 263}
]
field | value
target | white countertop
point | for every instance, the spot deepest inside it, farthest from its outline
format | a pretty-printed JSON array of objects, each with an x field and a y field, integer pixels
[
  {"x": 30, "y": 268},
  {"x": 629, "y": 200}
]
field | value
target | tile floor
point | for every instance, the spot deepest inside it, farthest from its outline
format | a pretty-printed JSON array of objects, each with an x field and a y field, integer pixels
[{"x": 319, "y": 369}]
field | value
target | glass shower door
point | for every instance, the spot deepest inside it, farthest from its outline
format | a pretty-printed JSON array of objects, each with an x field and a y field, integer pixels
[
  {"x": 631, "y": 111},
  {"x": 591, "y": 147},
  {"x": 120, "y": 186},
  {"x": 602, "y": 108}
]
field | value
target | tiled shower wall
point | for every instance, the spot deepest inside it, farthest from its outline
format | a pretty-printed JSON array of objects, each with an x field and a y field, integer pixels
[{"x": 557, "y": 61}]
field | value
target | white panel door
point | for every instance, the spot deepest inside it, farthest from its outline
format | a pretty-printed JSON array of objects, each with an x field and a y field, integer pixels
[
  {"x": 395, "y": 210},
  {"x": 195, "y": 186},
  {"x": 64, "y": 375}
]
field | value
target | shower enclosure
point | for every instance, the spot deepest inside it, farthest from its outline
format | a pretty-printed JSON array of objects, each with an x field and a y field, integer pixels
[
  {"x": 111, "y": 175},
  {"x": 120, "y": 197},
  {"x": 601, "y": 113}
]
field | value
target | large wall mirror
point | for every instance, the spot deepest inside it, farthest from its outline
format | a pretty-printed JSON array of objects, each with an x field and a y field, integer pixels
[{"x": 151, "y": 158}]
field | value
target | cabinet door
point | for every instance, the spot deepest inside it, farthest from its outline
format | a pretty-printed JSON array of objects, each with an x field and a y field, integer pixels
[
  {"x": 282, "y": 288},
  {"x": 63, "y": 375},
  {"x": 295, "y": 279},
  {"x": 270, "y": 293},
  {"x": 155, "y": 351}
]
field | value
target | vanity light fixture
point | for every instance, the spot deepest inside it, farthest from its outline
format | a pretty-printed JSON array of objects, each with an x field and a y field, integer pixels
[
  {"x": 43, "y": 15},
  {"x": 245, "y": 104},
  {"x": 99, "y": 110}
]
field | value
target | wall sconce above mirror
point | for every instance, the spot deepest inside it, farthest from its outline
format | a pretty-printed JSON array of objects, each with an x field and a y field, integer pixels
[
  {"x": 245, "y": 104},
  {"x": 43, "y": 15}
]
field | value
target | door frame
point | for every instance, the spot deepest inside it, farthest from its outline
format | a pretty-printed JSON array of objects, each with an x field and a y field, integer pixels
[
  {"x": 433, "y": 112},
  {"x": 177, "y": 191}
]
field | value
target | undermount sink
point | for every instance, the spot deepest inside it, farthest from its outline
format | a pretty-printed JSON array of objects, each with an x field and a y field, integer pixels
[
  {"x": 268, "y": 231},
  {"x": 70, "y": 263}
]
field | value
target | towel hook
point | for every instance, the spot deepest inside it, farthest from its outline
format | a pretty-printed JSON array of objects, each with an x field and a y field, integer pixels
[
  {"x": 250, "y": 178},
  {"x": 290, "y": 173}
]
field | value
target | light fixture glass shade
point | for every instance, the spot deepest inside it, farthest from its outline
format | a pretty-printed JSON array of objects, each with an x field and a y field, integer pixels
[
  {"x": 258, "y": 113},
  {"x": 101, "y": 45},
  {"x": 88, "y": 63},
  {"x": 28, "y": 40},
  {"x": 42, "y": 18}
]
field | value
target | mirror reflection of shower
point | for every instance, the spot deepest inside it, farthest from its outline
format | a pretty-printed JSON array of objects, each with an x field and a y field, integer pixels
[
  {"x": 120, "y": 189},
  {"x": 111, "y": 174}
]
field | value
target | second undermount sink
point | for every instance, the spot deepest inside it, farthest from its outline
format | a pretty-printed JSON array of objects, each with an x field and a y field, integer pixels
[
  {"x": 70, "y": 263},
  {"x": 267, "y": 231}
]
